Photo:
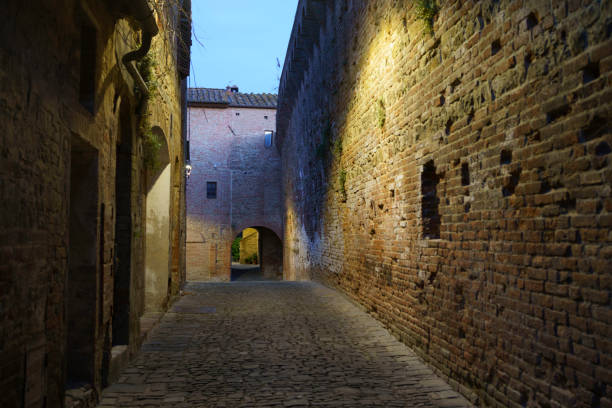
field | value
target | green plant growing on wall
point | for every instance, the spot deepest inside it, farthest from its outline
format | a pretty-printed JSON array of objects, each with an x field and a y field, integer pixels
[
  {"x": 342, "y": 184},
  {"x": 146, "y": 67},
  {"x": 236, "y": 249},
  {"x": 425, "y": 11},
  {"x": 381, "y": 113},
  {"x": 151, "y": 145}
]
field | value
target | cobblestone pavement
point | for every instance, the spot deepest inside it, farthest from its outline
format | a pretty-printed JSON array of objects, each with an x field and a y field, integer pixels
[{"x": 274, "y": 344}]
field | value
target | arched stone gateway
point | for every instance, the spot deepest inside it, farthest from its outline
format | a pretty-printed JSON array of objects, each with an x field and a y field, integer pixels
[
  {"x": 157, "y": 261},
  {"x": 260, "y": 255}
]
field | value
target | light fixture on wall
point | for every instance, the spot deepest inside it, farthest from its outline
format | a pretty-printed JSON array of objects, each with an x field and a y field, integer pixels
[{"x": 187, "y": 169}]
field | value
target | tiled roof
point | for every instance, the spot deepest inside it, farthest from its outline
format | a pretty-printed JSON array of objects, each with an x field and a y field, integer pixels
[{"x": 213, "y": 96}]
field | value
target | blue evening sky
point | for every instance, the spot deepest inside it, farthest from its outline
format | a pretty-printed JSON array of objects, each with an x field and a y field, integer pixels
[{"x": 240, "y": 42}]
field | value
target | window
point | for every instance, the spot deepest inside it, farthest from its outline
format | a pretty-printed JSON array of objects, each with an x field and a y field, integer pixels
[
  {"x": 465, "y": 174},
  {"x": 211, "y": 189},
  {"x": 429, "y": 201},
  {"x": 87, "y": 78},
  {"x": 268, "y": 138}
]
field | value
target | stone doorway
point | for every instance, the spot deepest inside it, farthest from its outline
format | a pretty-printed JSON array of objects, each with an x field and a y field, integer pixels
[
  {"x": 123, "y": 232},
  {"x": 81, "y": 283}
]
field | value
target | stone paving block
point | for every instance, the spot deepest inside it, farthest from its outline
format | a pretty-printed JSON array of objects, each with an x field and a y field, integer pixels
[{"x": 288, "y": 344}]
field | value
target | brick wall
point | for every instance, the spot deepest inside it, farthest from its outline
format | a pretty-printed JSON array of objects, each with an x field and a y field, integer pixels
[
  {"x": 458, "y": 185},
  {"x": 58, "y": 211},
  {"x": 227, "y": 147}
]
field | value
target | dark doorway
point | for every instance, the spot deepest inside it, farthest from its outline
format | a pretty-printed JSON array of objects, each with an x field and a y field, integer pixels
[
  {"x": 81, "y": 280},
  {"x": 123, "y": 234}
]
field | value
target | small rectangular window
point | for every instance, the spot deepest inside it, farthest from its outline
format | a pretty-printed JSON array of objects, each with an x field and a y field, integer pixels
[
  {"x": 268, "y": 138},
  {"x": 429, "y": 201},
  {"x": 211, "y": 189}
]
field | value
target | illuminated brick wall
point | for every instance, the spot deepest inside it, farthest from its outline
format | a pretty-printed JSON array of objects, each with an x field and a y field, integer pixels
[{"x": 457, "y": 184}]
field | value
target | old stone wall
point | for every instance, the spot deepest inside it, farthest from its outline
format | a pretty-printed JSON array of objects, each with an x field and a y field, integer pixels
[
  {"x": 458, "y": 184},
  {"x": 227, "y": 148},
  {"x": 71, "y": 155}
]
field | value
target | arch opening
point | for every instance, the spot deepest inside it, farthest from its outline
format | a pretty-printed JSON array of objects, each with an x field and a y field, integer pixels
[{"x": 256, "y": 254}]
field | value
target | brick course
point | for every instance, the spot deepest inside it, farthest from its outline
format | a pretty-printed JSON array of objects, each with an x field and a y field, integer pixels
[{"x": 497, "y": 127}]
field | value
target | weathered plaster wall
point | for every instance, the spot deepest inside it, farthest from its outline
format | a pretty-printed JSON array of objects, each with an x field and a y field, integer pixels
[
  {"x": 43, "y": 122},
  {"x": 458, "y": 184},
  {"x": 157, "y": 269},
  {"x": 227, "y": 147}
]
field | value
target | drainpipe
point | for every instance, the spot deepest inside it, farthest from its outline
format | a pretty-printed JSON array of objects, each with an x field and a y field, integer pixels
[{"x": 140, "y": 11}]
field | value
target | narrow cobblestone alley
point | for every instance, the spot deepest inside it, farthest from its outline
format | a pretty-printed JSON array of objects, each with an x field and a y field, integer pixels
[{"x": 274, "y": 344}]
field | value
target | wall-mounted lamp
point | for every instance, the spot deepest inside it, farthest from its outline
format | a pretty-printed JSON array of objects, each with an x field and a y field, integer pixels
[{"x": 187, "y": 169}]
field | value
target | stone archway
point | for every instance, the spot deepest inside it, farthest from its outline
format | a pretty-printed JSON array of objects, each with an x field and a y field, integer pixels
[
  {"x": 269, "y": 255},
  {"x": 157, "y": 243}
]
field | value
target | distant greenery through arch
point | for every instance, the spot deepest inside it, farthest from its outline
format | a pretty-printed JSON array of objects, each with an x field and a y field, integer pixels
[{"x": 236, "y": 249}]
